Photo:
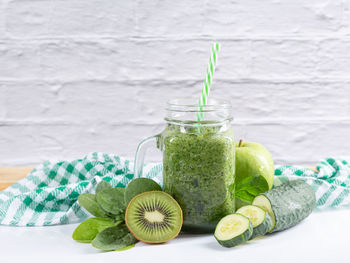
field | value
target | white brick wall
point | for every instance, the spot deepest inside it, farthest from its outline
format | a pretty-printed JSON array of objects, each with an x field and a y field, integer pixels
[{"x": 78, "y": 76}]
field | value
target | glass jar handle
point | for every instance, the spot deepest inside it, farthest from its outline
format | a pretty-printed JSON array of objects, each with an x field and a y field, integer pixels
[{"x": 140, "y": 154}]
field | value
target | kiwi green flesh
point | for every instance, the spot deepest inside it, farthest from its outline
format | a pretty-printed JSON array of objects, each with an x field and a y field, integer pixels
[{"x": 154, "y": 217}]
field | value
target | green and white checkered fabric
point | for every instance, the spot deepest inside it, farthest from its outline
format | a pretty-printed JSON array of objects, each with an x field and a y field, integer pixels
[
  {"x": 48, "y": 195},
  {"x": 331, "y": 184}
]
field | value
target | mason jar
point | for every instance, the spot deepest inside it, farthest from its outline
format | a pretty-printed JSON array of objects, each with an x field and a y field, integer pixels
[{"x": 198, "y": 161}]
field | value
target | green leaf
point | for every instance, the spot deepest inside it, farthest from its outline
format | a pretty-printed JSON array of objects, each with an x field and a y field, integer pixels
[
  {"x": 89, "y": 229},
  {"x": 111, "y": 200},
  {"x": 139, "y": 186},
  {"x": 250, "y": 187},
  {"x": 125, "y": 248},
  {"x": 112, "y": 238},
  {"x": 119, "y": 217},
  {"x": 89, "y": 202},
  {"x": 102, "y": 185}
]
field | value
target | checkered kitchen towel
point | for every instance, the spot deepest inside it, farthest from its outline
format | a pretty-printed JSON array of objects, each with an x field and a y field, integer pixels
[
  {"x": 48, "y": 195},
  {"x": 331, "y": 184}
]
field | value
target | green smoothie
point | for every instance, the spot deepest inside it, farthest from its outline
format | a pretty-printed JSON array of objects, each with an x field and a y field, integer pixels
[{"x": 198, "y": 171}]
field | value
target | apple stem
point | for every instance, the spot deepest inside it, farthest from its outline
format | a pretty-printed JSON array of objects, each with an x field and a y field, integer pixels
[{"x": 240, "y": 143}]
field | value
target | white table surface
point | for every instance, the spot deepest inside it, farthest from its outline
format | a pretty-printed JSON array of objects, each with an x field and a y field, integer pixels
[{"x": 323, "y": 237}]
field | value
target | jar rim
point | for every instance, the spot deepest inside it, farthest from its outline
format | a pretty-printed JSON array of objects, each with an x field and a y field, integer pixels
[
  {"x": 190, "y": 104},
  {"x": 186, "y": 111}
]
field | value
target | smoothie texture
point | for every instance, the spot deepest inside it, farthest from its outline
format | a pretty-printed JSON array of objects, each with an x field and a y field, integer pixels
[{"x": 198, "y": 171}]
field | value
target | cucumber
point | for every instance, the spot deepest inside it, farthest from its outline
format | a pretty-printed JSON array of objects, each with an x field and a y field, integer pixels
[
  {"x": 287, "y": 204},
  {"x": 260, "y": 219},
  {"x": 233, "y": 230}
]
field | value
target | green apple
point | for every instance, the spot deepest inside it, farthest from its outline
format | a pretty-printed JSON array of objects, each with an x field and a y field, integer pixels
[{"x": 253, "y": 159}]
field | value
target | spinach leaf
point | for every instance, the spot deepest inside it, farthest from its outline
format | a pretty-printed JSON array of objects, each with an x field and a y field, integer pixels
[
  {"x": 88, "y": 201},
  {"x": 89, "y": 229},
  {"x": 112, "y": 238},
  {"x": 119, "y": 217},
  {"x": 111, "y": 200},
  {"x": 125, "y": 248},
  {"x": 139, "y": 186},
  {"x": 102, "y": 185},
  {"x": 250, "y": 187}
]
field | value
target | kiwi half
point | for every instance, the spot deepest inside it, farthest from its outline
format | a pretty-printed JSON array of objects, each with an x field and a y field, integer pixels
[{"x": 154, "y": 217}]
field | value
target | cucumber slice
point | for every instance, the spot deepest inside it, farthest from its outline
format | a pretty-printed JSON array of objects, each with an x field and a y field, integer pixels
[
  {"x": 260, "y": 219},
  {"x": 287, "y": 204},
  {"x": 233, "y": 230},
  {"x": 264, "y": 203}
]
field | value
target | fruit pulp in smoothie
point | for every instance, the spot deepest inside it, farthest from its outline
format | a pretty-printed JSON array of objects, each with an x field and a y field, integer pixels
[{"x": 198, "y": 171}]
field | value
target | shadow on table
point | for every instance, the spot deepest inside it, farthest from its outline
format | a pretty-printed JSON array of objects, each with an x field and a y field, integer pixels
[
  {"x": 217, "y": 247},
  {"x": 214, "y": 245}
]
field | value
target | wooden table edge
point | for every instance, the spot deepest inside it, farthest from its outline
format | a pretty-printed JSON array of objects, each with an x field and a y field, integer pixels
[{"x": 10, "y": 175}]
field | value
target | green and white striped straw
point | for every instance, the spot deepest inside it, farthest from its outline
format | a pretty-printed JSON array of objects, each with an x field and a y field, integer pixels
[{"x": 208, "y": 80}]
